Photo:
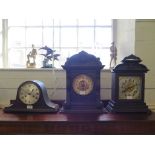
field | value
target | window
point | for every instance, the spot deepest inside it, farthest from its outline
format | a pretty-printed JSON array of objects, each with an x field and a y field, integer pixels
[{"x": 67, "y": 37}]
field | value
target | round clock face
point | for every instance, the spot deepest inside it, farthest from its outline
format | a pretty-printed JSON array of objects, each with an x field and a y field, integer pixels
[
  {"x": 83, "y": 84},
  {"x": 130, "y": 87},
  {"x": 29, "y": 93}
]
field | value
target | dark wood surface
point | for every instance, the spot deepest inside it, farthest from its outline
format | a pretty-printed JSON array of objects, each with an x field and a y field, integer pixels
[{"x": 77, "y": 123}]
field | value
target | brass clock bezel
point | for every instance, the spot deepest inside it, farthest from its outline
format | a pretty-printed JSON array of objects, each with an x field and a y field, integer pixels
[
  {"x": 83, "y": 84},
  {"x": 29, "y": 93},
  {"x": 130, "y": 88}
]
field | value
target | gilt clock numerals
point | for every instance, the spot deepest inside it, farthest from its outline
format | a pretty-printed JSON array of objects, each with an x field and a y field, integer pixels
[{"x": 83, "y": 84}]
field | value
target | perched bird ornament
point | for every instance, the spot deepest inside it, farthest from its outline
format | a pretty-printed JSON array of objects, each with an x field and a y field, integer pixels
[{"x": 49, "y": 55}]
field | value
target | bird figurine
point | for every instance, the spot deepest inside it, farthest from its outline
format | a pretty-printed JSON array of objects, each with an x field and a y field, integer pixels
[
  {"x": 48, "y": 50},
  {"x": 49, "y": 55}
]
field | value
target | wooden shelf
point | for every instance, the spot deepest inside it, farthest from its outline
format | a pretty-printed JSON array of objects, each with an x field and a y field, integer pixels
[{"x": 77, "y": 123}]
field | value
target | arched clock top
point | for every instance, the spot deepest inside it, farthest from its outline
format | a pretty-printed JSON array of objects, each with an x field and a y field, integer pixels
[{"x": 83, "y": 59}]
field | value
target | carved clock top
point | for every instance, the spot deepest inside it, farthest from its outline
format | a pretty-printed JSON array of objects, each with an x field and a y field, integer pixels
[
  {"x": 131, "y": 63},
  {"x": 83, "y": 59}
]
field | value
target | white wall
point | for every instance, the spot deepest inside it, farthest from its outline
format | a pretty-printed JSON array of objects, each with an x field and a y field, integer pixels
[
  {"x": 145, "y": 48},
  {"x": 124, "y": 37}
]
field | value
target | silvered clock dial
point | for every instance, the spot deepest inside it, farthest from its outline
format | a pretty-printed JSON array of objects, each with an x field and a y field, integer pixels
[
  {"x": 29, "y": 93},
  {"x": 130, "y": 87}
]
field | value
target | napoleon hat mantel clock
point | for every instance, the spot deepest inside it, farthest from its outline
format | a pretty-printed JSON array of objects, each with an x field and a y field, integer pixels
[
  {"x": 128, "y": 81},
  {"x": 83, "y": 83},
  {"x": 32, "y": 97}
]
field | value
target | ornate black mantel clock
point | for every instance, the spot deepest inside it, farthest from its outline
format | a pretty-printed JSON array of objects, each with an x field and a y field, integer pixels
[
  {"x": 83, "y": 83},
  {"x": 128, "y": 81}
]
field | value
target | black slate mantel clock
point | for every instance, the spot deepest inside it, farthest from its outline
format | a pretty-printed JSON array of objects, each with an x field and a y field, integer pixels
[
  {"x": 83, "y": 83},
  {"x": 128, "y": 83}
]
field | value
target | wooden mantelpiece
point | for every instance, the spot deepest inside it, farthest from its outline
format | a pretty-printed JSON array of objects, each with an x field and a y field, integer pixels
[{"x": 77, "y": 123}]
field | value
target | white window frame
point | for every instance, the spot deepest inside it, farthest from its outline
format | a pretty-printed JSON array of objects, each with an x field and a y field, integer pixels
[{"x": 5, "y": 40}]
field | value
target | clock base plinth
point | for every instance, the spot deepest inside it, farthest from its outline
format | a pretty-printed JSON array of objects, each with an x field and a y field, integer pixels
[
  {"x": 81, "y": 109},
  {"x": 114, "y": 107},
  {"x": 18, "y": 108},
  {"x": 7, "y": 110}
]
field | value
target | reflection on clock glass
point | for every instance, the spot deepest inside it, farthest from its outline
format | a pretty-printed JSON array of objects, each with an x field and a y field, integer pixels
[
  {"x": 130, "y": 87},
  {"x": 83, "y": 84}
]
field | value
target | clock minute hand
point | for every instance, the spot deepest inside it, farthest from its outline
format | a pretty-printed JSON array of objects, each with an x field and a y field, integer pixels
[
  {"x": 25, "y": 91},
  {"x": 30, "y": 93}
]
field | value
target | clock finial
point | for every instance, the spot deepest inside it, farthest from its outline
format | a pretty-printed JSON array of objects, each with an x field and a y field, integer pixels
[{"x": 131, "y": 58}]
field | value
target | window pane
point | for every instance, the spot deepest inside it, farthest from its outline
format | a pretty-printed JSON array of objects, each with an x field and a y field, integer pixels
[
  {"x": 67, "y": 22},
  {"x": 69, "y": 37},
  {"x": 16, "y": 58},
  {"x": 34, "y": 36},
  {"x": 103, "y": 22},
  {"x": 103, "y": 37},
  {"x": 57, "y": 37},
  {"x": 34, "y": 22},
  {"x": 104, "y": 56},
  {"x": 48, "y": 22},
  {"x": 86, "y": 22},
  {"x": 48, "y": 37},
  {"x": 16, "y": 22},
  {"x": 16, "y": 37},
  {"x": 57, "y": 22},
  {"x": 66, "y": 53},
  {"x": 86, "y": 37}
]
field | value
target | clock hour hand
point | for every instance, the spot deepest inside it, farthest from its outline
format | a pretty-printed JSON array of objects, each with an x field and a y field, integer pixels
[
  {"x": 130, "y": 88},
  {"x": 31, "y": 92},
  {"x": 26, "y": 91}
]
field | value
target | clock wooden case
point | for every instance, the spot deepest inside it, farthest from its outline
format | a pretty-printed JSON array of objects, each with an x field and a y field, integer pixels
[
  {"x": 32, "y": 97},
  {"x": 83, "y": 83},
  {"x": 128, "y": 83}
]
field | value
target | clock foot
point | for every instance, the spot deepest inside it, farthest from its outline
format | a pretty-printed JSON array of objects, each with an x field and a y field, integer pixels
[{"x": 114, "y": 107}]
